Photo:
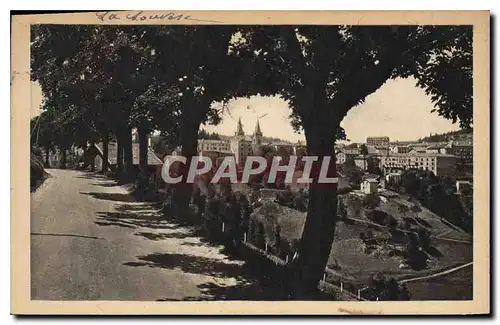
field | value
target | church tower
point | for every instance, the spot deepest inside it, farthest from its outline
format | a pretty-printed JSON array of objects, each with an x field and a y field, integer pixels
[
  {"x": 257, "y": 135},
  {"x": 239, "y": 129}
]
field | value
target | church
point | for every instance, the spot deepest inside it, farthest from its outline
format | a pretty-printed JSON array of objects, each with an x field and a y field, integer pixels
[{"x": 242, "y": 145}]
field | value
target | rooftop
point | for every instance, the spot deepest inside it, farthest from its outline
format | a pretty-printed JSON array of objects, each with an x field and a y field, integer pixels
[{"x": 419, "y": 154}]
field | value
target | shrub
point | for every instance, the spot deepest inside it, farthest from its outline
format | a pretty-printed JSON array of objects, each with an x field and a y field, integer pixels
[{"x": 383, "y": 289}]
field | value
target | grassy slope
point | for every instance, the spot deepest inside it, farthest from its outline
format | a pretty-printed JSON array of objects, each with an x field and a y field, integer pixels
[
  {"x": 453, "y": 286},
  {"x": 349, "y": 251}
]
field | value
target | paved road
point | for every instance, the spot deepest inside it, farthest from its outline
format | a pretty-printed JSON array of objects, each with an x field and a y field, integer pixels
[{"x": 90, "y": 241}]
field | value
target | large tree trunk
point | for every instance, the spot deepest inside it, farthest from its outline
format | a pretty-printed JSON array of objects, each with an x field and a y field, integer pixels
[
  {"x": 183, "y": 190},
  {"x": 63, "y": 159},
  {"x": 143, "y": 157},
  {"x": 105, "y": 153},
  {"x": 119, "y": 153},
  {"x": 128, "y": 158},
  {"x": 92, "y": 159},
  {"x": 47, "y": 158},
  {"x": 318, "y": 233}
]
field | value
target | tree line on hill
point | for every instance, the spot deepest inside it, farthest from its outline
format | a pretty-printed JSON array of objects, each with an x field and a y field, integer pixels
[
  {"x": 99, "y": 82},
  {"x": 439, "y": 195},
  {"x": 444, "y": 137}
]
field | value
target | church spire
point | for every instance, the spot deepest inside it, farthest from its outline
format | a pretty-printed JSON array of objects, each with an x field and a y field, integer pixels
[
  {"x": 239, "y": 129},
  {"x": 257, "y": 135},
  {"x": 257, "y": 129}
]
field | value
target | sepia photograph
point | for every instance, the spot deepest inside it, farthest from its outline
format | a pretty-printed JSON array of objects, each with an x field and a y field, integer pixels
[{"x": 185, "y": 157}]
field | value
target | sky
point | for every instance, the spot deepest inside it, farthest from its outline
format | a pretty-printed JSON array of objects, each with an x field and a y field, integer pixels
[{"x": 399, "y": 110}]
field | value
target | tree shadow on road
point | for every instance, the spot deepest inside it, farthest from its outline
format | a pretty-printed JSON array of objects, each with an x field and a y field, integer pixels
[
  {"x": 252, "y": 291},
  {"x": 163, "y": 236},
  {"x": 111, "y": 196},
  {"x": 253, "y": 283},
  {"x": 106, "y": 184},
  {"x": 191, "y": 264},
  {"x": 136, "y": 216},
  {"x": 92, "y": 175}
]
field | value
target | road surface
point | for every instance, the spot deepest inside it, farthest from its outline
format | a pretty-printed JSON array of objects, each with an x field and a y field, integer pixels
[{"x": 91, "y": 241}]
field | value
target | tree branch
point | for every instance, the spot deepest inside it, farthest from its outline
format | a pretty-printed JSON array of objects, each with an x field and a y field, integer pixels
[
  {"x": 367, "y": 79},
  {"x": 294, "y": 54}
]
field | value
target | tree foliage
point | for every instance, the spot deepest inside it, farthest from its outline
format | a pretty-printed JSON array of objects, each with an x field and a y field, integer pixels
[{"x": 100, "y": 81}]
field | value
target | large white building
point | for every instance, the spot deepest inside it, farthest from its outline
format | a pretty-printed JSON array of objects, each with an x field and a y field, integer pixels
[
  {"x": 213, "y": 145},
  {"x": 438, "y": 163},
  {"x": 377, "y": 141}
]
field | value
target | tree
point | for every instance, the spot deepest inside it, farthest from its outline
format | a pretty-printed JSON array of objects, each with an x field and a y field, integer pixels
[
  {"x": 42, "y": 134},
  {"x": 411, "y": 182},
  {"x": 403, "y": 209},
  {"x": 371, "y": 202},
  {"x": 372, "y": 166},
  {"x": 416, "y": 209},
  {"x": 341, "y": 210},
  {"x": 363, "y": 149},
  {"x": 354, "y": 175},
  {"x": 210, "y": 75},
  {"x": 324, "y": 71},
  {"x": 424, "y": 238},
  {"x": 202, "y": 134}
]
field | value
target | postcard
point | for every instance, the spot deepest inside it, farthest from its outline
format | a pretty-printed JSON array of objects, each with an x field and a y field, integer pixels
[{"x": 270, "y": 163}]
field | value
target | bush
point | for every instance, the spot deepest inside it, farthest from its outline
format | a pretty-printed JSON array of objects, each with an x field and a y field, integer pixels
[
  {"x": 37, "y": 172},
  {"x": 383, "y": 289}
]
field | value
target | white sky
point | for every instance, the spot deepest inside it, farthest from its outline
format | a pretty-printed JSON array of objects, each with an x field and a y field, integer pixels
[{"x": 399, "y": 110}]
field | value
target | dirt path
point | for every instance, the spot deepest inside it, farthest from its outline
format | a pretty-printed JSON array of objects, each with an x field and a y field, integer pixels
[{"x": 91, "y": 241}]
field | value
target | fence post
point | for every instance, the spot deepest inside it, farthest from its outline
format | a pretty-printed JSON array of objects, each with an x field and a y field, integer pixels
[
  {"x": 265, "y": 249},
  {"x": 341, "y": 286},
  {"x": 359, "y": 293},
  {"x": 223, "y": 227},
  {"x": 245, "y": 237},
  {"x": 324, "y": 276}
]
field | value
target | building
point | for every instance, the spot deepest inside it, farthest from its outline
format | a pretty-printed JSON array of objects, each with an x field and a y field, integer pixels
[
  {"x": 282, "y": 149},
  {"x": 300, "y": 149},
  {"x": 418, "y": 147},
  {"x": 394, "y": 178},
  {"x": 464, "y": 151},
  {"x": 243, "y": 146},
  {"x": 463, "y": 137},
  {"x": 439, "y": 164},
  {"x": 369, "y": 186},
  {"x": 215, "y": 156},
  {"x": 361, "y": 162},
  {"x": 399, "y": 148},
  {"x": 463, "y": 186},
  {"x": 377, "y": 141},
  {"x": 257, "y": 135},
  {"x": 340, "y": 157},
  {"x": 380, "y": 151},
  {"x": 213, "y": 145}
]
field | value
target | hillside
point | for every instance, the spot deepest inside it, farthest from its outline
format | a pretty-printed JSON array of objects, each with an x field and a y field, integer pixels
[
  {"x": 363, "y": 247},
  {"x": 443, "y": 137}
]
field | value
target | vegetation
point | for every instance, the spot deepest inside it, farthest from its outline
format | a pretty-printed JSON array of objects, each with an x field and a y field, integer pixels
[
  {"x": 100, "y": 82},
  {"x": 438, "y": 195},
  {"x": 444, "y": 137},
  {"x": 381, "y": 288},
  {"x": 202, "y": 134}
]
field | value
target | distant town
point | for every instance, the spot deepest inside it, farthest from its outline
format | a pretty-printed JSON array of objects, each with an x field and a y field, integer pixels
[
  {"x": 379, "y": 159},
  {"x": 394, "y": 223}
]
